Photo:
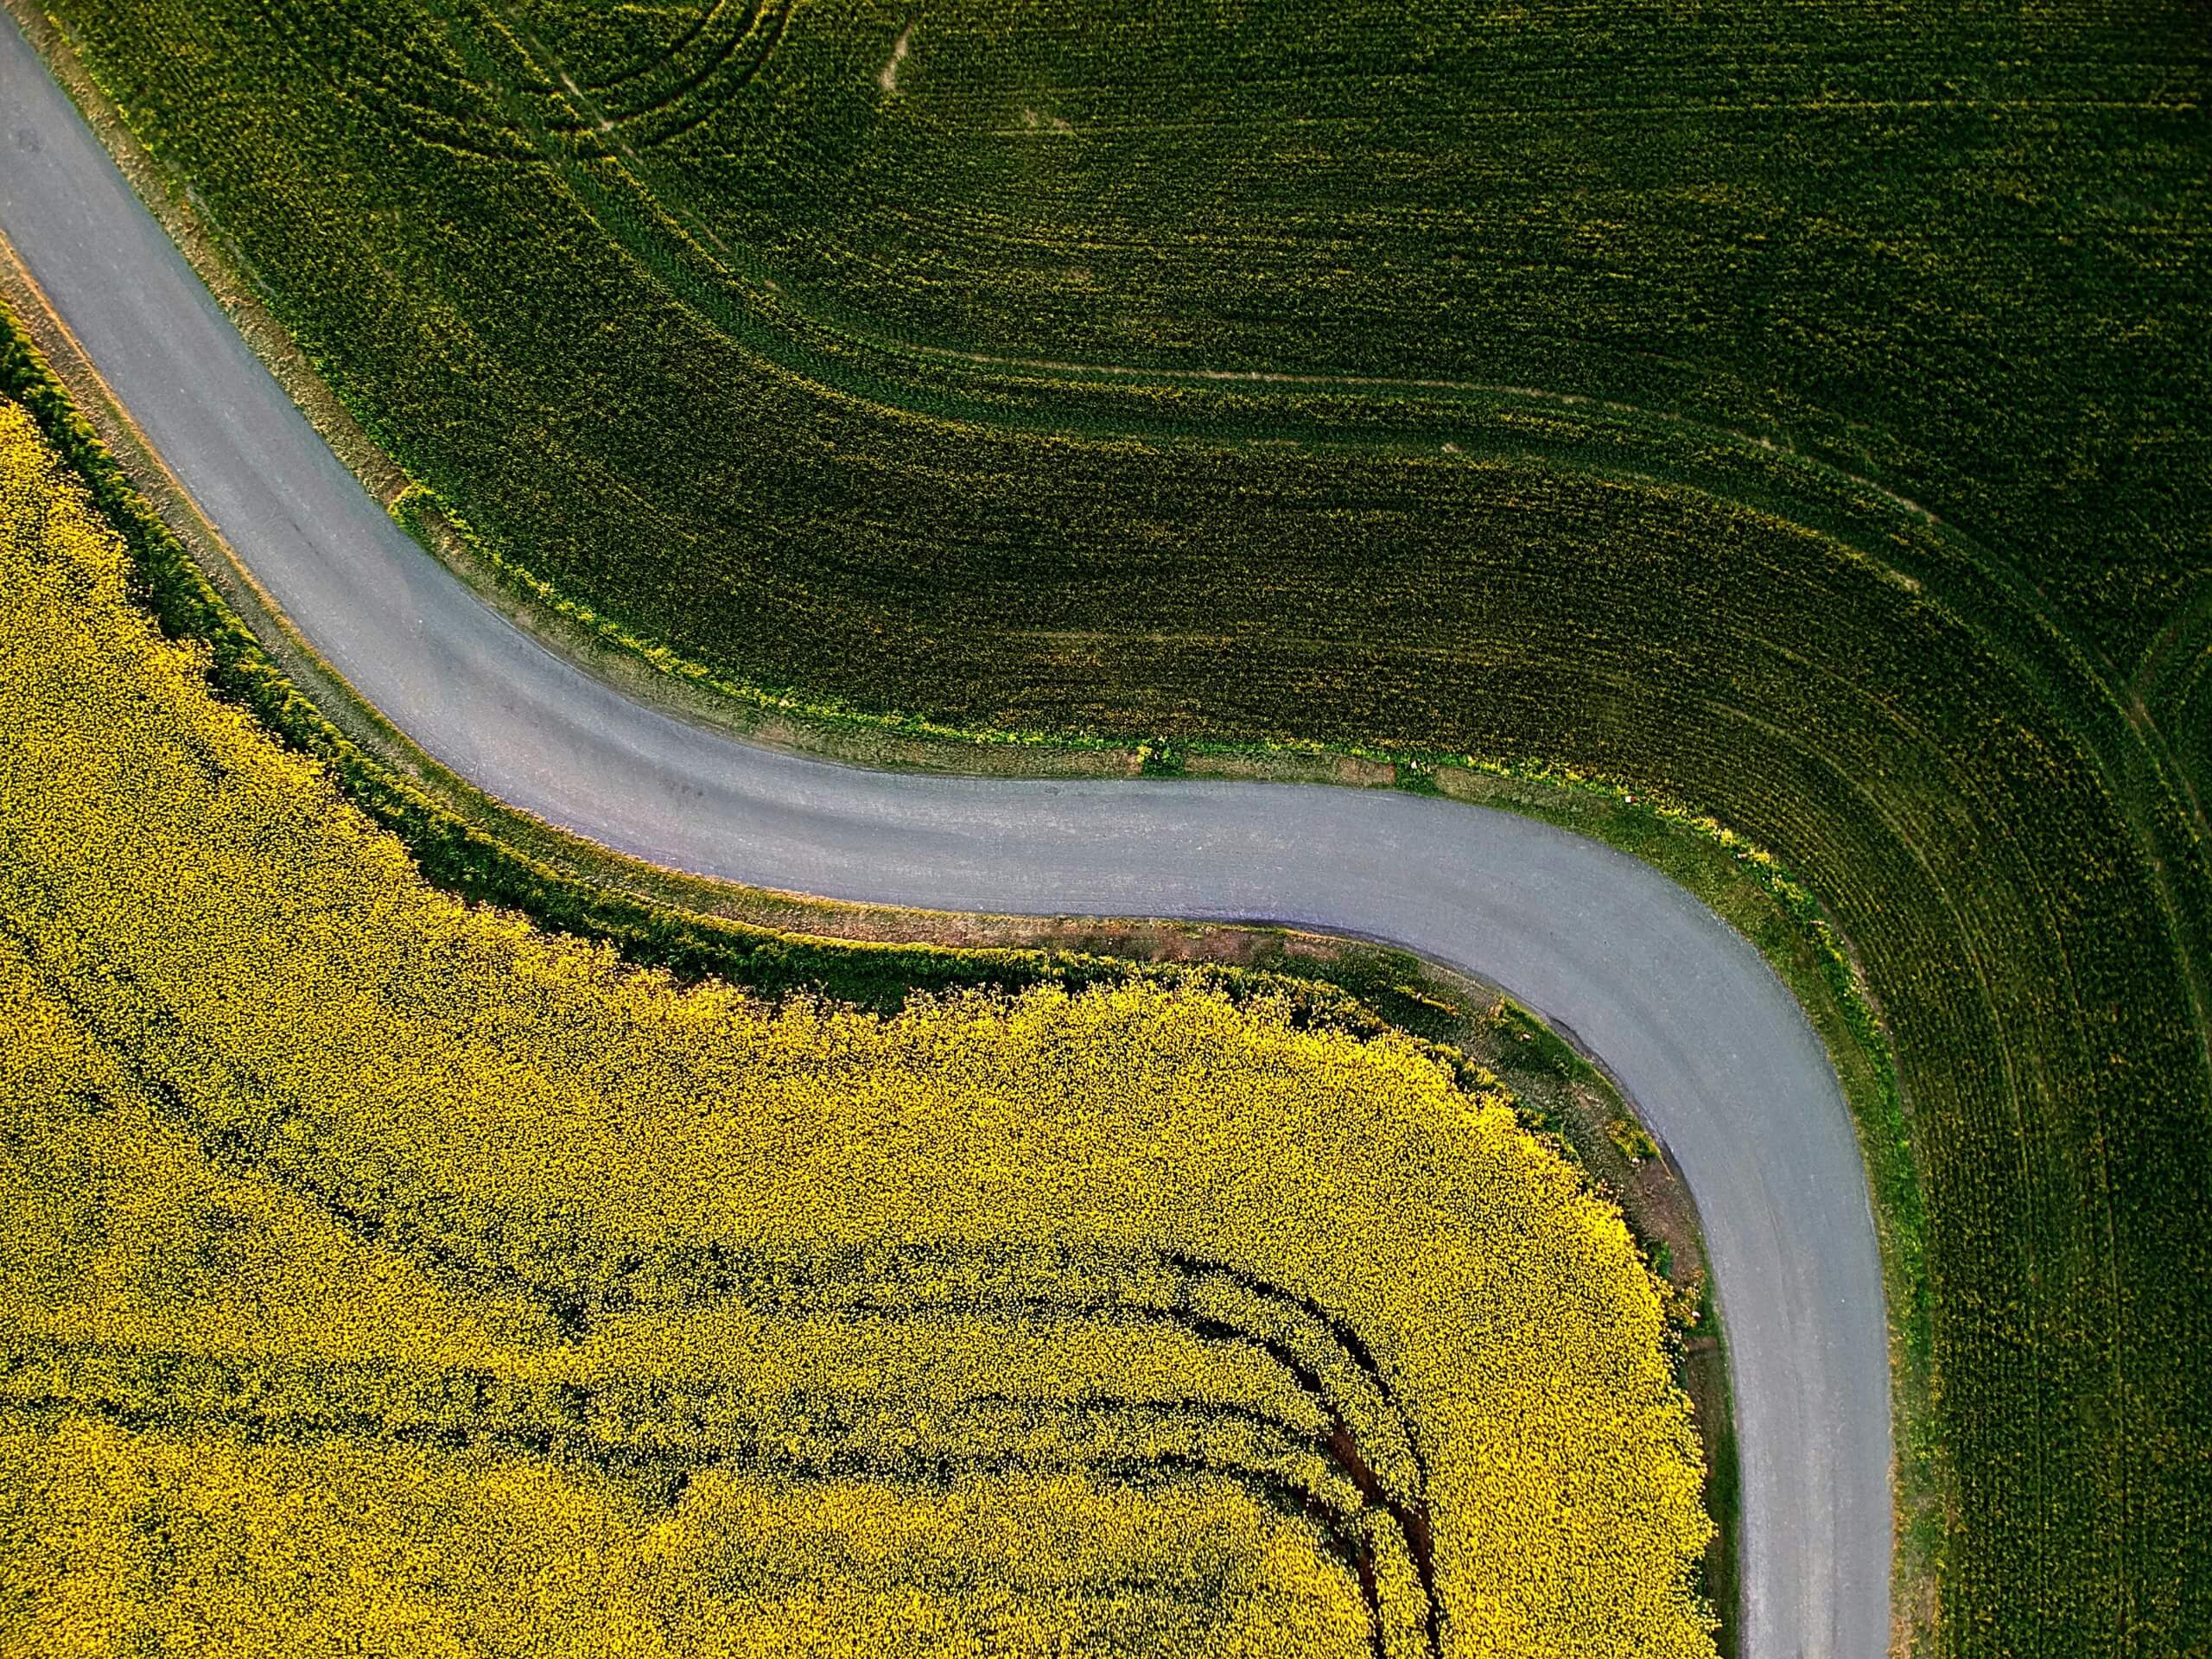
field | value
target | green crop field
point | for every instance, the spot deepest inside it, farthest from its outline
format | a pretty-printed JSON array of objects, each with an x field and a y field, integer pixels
[{"x": 1801, "y": 413}]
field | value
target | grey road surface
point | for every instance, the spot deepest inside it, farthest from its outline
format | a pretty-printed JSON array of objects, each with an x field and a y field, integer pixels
[{"x": 1685, "y": 1013}]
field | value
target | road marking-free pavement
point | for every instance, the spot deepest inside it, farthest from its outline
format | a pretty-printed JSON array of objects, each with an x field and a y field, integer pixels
[{"x": 1712, "y": 1048}]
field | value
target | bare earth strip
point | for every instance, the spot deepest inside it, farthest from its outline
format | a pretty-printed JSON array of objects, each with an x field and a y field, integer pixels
[{"x": 1712, "y": 1048}]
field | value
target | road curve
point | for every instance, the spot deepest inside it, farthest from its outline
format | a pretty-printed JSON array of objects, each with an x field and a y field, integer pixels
[{"x": 1684, "y": 1012}]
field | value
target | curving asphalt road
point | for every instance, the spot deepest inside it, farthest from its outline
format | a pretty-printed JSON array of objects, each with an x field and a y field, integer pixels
[{"x": 1706, "y": 1040}]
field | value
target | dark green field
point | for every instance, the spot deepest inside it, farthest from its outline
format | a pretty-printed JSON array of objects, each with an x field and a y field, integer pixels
[{"x": 1803, "y": 414}]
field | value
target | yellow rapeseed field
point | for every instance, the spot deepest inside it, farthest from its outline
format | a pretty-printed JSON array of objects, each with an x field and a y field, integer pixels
[{"x": 381, "y": 1275}]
